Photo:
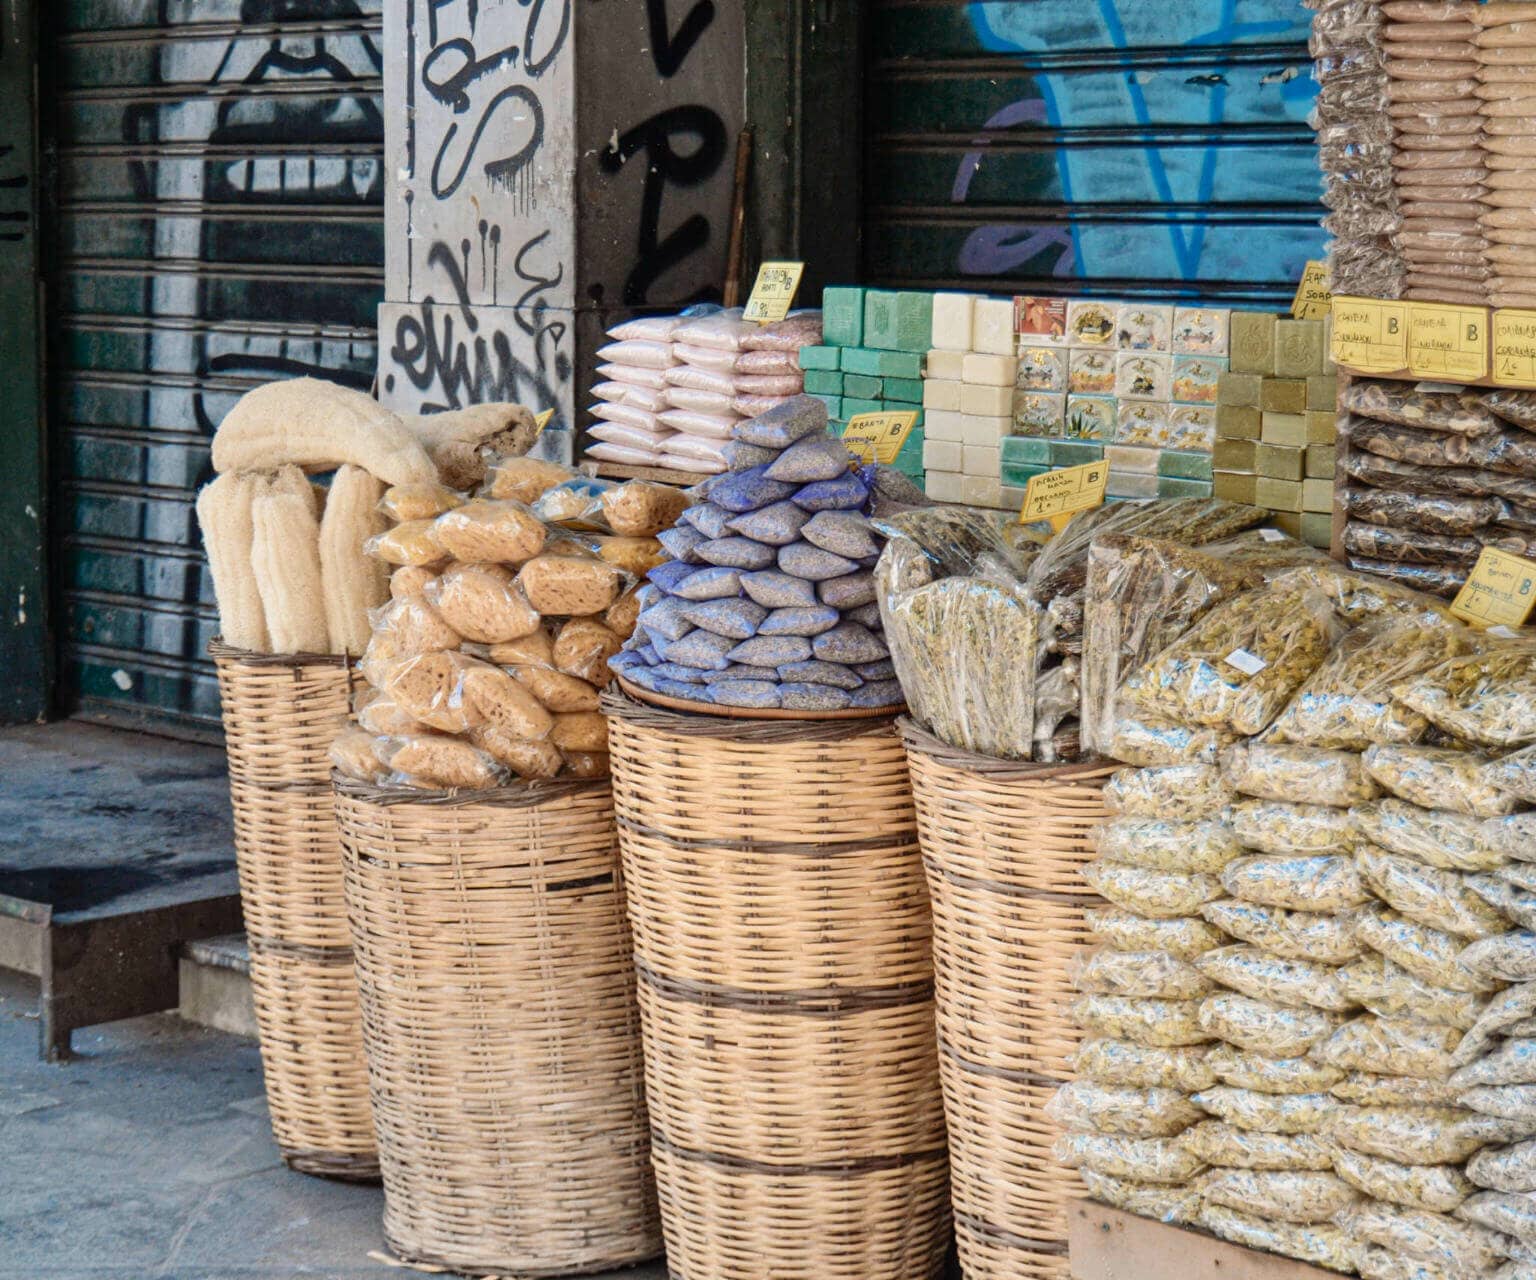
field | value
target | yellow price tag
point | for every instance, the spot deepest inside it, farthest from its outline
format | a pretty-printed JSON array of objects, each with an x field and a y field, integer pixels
[
  {"x": 542, "y": 420},
  {"x": 1500, "y": 591},
  {"x": 774, "y": 291},
  {"x": 1060, "y": 493},
  {"x": 1514, "y": 348},
  {"x": 1447, "y": 341},
  {"x": 878, "y": 437},
  {"x": 1369, "y": 335},
  {"x": 1314, "y": 298}
]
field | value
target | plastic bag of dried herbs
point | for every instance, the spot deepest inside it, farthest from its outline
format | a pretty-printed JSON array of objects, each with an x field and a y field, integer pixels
[
  {"x": 1427, "y": 512},
  {"x": 1192, "y": 792},
  {"x": 1437, "y": 1187},
  {"x": 1157, "y": 844},
  {"x": 1516, "y": 774},
  {"x": 1429, "y": 410},
  {"x": 1268, "y": 1075},
  {"x": 1184, "y": 937},
  {"x": 1162, "y": 1202},
  {"x": 1452, "y": 841},
  {"x": 1319, "y": 1243},
  {"x": 1260, "y": 1026},
  {"x": 1123, "y": 1062},
  {"x": 1295, "y": 935},
  {"x": 1410, "y": 547},
  {"x": 1391, "y": 1046},
  {"x": 1390, "y": 991},
  {"x": 1285, "y": 1195},
  {"x": 1155, "y": 1024},
  {"x": 1456, "y": 481},
  {"x": 1440, "y": 899},
  {"x": 1225, "y": 1145},
  {"x": 1163, "y": 1160},
  {"x": 1439, "y": 1241},
  {"x": 1298, "y": 983},
  {"x": 1239, "y": 664},
  {"x": 1156, "y": 894},
  {"x": 1148, "y": 742},
  {"x": 1356, "y": 597},
  {"x": 1318, "y": 883},
  {"x": 1272, "y": 826},
  {"x": 1439, "y": 778},
  {"x": 1426, "y": 952},
  {"x": 1297, "y": 775},
  {"x": 1414, "y": 1135},
  {"x": 1134, "y": 1113},
  {"x": 1347, "y": 703},
  {"x": 1155, "y": 974},
  {"x": 1267, "y": 1112}
]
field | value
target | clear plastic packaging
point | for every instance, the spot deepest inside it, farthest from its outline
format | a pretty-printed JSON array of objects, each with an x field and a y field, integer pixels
[
  {"x": 1298, "y": 775},
  {"x": 1439, "y": 778},
  {"x": 1293, "y": 1195},
  {"x": 1511, "y": 1168},
  {"x": 1427, "y": 895},
  {"x": 1501, "y": 450},
  {"x": 1512, "y": 837},
  {"x": 1513, "y": 1215},
  {"x": 1157, "y": 895},
  {"x": 1138, "y": 973},
  {"x": 482, "y": 603},
  {"x": 1297, "y": 983},
  {"x": 1464, "y": 482},
  {"x": 1512, "y": 1063},
  {"x": 1505, "y": 893},
  {"x": 1300, "y": 829},
  {"x": 433, "y": 762},
  {"x": 1227, "y": 1146},
  {"x": 1262, "y": 1027},
  {"x": 1392, "y": 1046},
  {"x": 1293, "y": 935},
  {"x": 1429, "y": 513},
  {"x": 1515, "y": 774},
  {"x": 1509, "y": 1102},
  {"x": 1161, "y": 1202},
  {"x": 1390, "y": 991},
  {"x": 412, "y": 543},
  {"x": 1439, "y": 1241},
  {"x": 1347, "y": 703},
  {"x": 1149, "y": 742},
  {"x": 1404, "y": 403},
  {"x": 1184, "y": 937},
  {"x": 1439, "y": 1188},
  {"x": 1368, "y": 1089},
  {"x": 1452, "y": 841},
  {"x": 1155, "y": 844},
  {"x": 1267, "y": 1112},
  {"x": 1156, "y": 1024},
  {"x": 1125, "y": 1063},
  {"x": 1504, "y": 1014},
  {"x": 1195, "y": 792},
  {"x": 353, "y": 754},
  {"x": 1425, "y": 952},
  {"x": 1160, "y": 1160},
  {"x": 1320, "y": 1244},
  {"x": 1505, "y": 957},
  {"x": 1324, "y": 883},
  {"x": 1132, "y": 1113},
  {"x": 1239, "y": 664},
  {"x": 1414, "y": 1135}
]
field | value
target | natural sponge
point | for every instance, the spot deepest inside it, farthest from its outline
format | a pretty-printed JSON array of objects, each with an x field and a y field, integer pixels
[
  {"x": 224, "y": 512},
  {"x": 354, "y": 581},
  {"x": 285, "y": 558},
  {"x": 459, "y": 440},
  {"x": 318, "y": 426}
]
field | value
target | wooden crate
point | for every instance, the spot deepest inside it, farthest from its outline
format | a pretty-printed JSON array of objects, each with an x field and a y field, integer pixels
[{"x": 1107, "y": 1244}]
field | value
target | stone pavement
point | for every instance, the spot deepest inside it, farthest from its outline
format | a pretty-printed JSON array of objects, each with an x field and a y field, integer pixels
[{"x": 150, "y": 1157}]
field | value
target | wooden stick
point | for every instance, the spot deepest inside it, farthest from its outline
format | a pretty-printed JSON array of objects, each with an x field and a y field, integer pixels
[{"x": 732, "y": 290}]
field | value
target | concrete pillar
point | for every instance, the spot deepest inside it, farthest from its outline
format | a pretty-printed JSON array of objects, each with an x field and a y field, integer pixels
[{"x": 552, "y": 165}]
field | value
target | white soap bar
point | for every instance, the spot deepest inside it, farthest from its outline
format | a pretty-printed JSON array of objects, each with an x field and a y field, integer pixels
[
  {"x": 1013, "y": 498},
  {"x": 991, "y": 370},
  {"x": 982, "y": 460},
  {"x": 940, "y": 424},
  {"x": 1131, "y": 484},
  {"x": 942, "y": 486},
  {"x": 1131, "y": 458},
  {"x": 979, "y": 491},
  {"x": 986, "y": 402},
  {"x": 952, "y": 314},
  {"x": 990, "y": 431},
  {"x": 992, "y": 327},
  {"x": 941, "y": 455},
  {"x": 945, "y": 364},
  {"x": 942, "y": 393}
]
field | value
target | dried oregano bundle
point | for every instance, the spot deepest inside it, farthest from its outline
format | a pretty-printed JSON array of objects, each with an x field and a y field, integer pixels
[
  {"x": 1239, "y": 664},
  {"x": 1391, "y": 1046},
  {"x": 1159, "y": 1024},
  {"x": 1272, "y": 826},
  {"x": 1439, "y": 778},
  {"x": 1297, "y": 983},
  {"x": 1451, "y": 841},
  {"x": 1439, "y": 1188},
  {"x": 1191, "y": 792},
  {"x": 1294, "y": 935},
  {"x": 1288, "y": 1195},
  {"x": 1154, "y": 974},
  {"x": 1297, "y": 775},
  {"x": 1156, "y": 844},
  {"x": 1390, "y": 991},
  {"x": 1366, "y": 1089},
  {"x": 1320, "y": 1244},
  {"x": 1123, "y": 1062},
  {"x": 1184, "y": 937},
  {"x": 1513, "y": 1062},
  {"x": 1148, "y": 742},
  {"x": 1161, "y": 1160},
  {"x": 1133, "y": 1113},
  {"x": 1487, "y": 698},
  {"x": 1516, "y": 774},
  {"x": 1427, "y": 895},
  {"x": 1414, "y": 1134},
  {"x": 1443, "y": 1243}
]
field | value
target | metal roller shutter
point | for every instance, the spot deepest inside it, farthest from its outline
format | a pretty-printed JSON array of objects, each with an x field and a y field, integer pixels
[
  {"x": 1110, "y": 147},
  {"x": 217, "y": 221}
]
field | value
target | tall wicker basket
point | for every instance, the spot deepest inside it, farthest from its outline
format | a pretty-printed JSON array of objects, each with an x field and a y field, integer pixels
[
  {"x": 782, "y": 943},
  {"x": 1002, "y": 845},
  {"x": 503, "y": 1039},
  {"x": 281, "y": 712}
]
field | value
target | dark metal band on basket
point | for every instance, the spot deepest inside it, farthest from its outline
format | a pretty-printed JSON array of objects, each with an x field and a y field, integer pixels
[
  {"x": 920, "y": 740},
  {"x": 932, "y": 866},
  {"x": 998, "y": 1236},
  {"x": 518, "y": 795},
  {"x": 793, "y": 848},
  {"x": 760, "y": 732},
  {"x": 855, "y": 1168},
  {"x": 341, "y": 957},
  {"x": 827, "y": 1002}
]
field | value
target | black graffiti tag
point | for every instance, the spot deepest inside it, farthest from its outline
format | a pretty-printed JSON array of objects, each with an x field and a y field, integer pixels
[
  {"x": 664, "y": 165},
  {"x": 669, "y": 52}
]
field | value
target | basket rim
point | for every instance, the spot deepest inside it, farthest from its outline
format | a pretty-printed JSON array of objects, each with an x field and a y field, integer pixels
[
  {"x": 753, "y": 713},
  {"x": 921, "y": 741},
  {"x": 517, "y": 795},
  {"x": 620, "y": 706},
  {"x": 217, "y": 648}
]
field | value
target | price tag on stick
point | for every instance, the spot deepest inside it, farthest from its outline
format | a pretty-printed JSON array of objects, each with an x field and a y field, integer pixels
[
  {"x": 774, "y": 292},
  {"x": 878, "y": 437},
  {"x": 1060, "y": 493},
  {"x": 1313, "y": 299},
  {"x": 1500, "y": 591},
  {"x": 542, "y": 420}
]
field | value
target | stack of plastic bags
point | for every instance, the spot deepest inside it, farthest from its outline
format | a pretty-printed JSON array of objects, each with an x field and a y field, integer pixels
[
  {"x": 768, "y": 601},
  {"x": 673, "y": 387},
  {"x": 487, "y": 661}
]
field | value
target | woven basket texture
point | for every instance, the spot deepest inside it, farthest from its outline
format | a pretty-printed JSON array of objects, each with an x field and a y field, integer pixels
[
  {"x": 783, "y": 949},
  {"x": 503, "y": 1036},
  {"x": 281, "y": 713},
  {"x": 1002, "y": 846}
]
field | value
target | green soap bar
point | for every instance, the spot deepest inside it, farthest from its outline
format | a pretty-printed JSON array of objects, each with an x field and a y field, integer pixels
[
  {"x": 1277, "y": 462},
  {"x": 1322, "y": 426},
  {"x": 1299, "y": 348},
  {"x": 1233, "y": 486},
  {"x": 1234, "y": 455},
  {"x": 861, "y": 360},
  {"x": 1321, "y": 459},
  {"x": 1323, "y": 393},
  {"x": 1020, "y": 473},
  {"x": 1239, "y": 389},
  {"x": 842, "y": 316},
  {"x": 834, "y": 404},
  {"x": 914, "y": 322},
  {"x": 861, "y": 386},
  {"x": 1284, "y": 395},
  {"x": 1070, "y": 453},
  {"x": 904, "y": 364},
  {"x": 820, "y": 358},
  {"x": 905, "y": 390},
  {"x": 1317, "y": 529},
  {"x": 1026, "y": 449},
  {"x": 1277, "y": 494},
  {"x": 1184, "y": 464},
  {"x": 880, "y": 318},
  {"x": 853, "y": 406},
  {"x": 823, "y": 382},
  {"x": 1251, "y": 345},
  {"x": 1181, "y": 487},
  {"x": 1238, "y": 422}
]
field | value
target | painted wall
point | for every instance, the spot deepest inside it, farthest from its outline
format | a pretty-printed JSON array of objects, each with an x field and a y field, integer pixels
[{"x": 1124, "y": 146}]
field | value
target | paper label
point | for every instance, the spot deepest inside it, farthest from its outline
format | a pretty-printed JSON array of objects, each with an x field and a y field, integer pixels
[
  {"x": 542, "y": 420},
  {"x": 1314, "y": 299},
  {"x": 774, "y": 291},
  {"x": 1500, "y": 591},
  {"x": 1249, "y": 664},
  {"x": 1447, "y": 342},
  {"x": 1369, "y": 335},
  {"x": 1271, "y": 535},
  {"x": 1514, "y": 348},
  {"x": 1059, "y": 493},
  {"x": 878, "y": 437}
]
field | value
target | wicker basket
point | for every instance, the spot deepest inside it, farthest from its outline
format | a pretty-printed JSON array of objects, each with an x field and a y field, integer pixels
[
  {"x": 783, "y": 948},
  {"x": 503, "y": 1038},
  {"x": 281, "y": 713},
  {"x": 1002, "y": 845}
]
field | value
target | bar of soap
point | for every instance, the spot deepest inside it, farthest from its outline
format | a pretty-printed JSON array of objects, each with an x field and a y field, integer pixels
[
  {"x": 823, "y": 382},
  {"x": 1321, "y": 460},
  {"x": 861, "y": 360},
  {"x": 943, "y": 455},
  {"x": 1239, "y": 389},
  {"x": 952, "y": 320},
  {"x": 942, "y": 486},
  {"x": 898, "y": 321},
  {"x": 1277, "y": 494},
  {"x": 1234, "y": 455},
  {"x": 842, "y": 316},
  {"x": 949, "y": 365},
  {"x": 1323, "y": 392},
  {"x": 1317, "y": 494},
  {"x": 1073, "y": 453},
  {"x": 992, "y": 327},
  {"x": 981, "y": 491},
  {"x": 1131, "y": 458},
  {"x": 1238, "y": 422},
  {"x": 1317, "y": 529},
  {"x": 1131, "y": 484},
  {"x": 902, "y": 390},
  {"x": 861, "y": 386},
  {"x": 985, "y": 430},
  {"x": 820, "y": 358},
  {"x": 1299, "y": 348},
  {"x": 981, "y": 460},
  {"x": 1253, "y": 342},
  {"x": 1284, "y": 395},
  {"x": 901, "y": 364},
  {"x": 1288, "y": 429},
  {"x": 1027, "y": 449},
  {"x": 1235, "y": 486},
  {"x": 942, "y": 424},
  {"x": 1186, "y": 464},
  {"x": 986, "y": 401},
  {"x": 942, "y": 393},
  {"x": 1280, "y": 463},
  {"x": 990, "y": 369},
  {"x": 1322, "y": 426},
  {"x": 1179, "y": 487}
]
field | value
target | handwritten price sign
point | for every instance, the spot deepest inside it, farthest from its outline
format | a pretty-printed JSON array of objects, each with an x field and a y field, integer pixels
[
  {"x": 878, "y": 437},
  {"x": 774, "y": 292},
  {"x": 1060, "y": 493},
  {"x": 1500, "y": 591}
]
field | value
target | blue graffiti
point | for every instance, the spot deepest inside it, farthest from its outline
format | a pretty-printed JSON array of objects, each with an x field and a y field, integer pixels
[{"x": 1090, "y": 249}]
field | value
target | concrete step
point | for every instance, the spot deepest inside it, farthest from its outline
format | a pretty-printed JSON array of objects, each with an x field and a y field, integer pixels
[{"x": 216, "y": 985}]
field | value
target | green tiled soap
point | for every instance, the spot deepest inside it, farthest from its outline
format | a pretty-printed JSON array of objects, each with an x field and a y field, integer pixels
[
  {"x": 823, "y": 382},
  {"x": 842, "y": 316},
  {"x": 1021, "y": 473},
  {"x": 1030, "y": 450},
  {"x": 904, "y": 390},
  {"x": 1179, "y": 487},
  {"x": 898, "y": 321},
  {"x": 861, "y": 360},
  {"x": 1072, "y": 453},
  {"x": 861, "y": 386},
  {"x": 1184, "y": 464},
  {"x": 820, "y": 358},
  {"x": 903, "y": 364},
  {"x": 834, "y": 404},
  {"x": 853, "y": 406}
]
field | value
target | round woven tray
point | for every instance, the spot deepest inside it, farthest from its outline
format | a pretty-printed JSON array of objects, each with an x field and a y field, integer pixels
[
  {"x": 783, "y": 950},
  {"x": 1002, "y": 844},
  {"x": 281, "y": 713},
  {"x": 503, "y": 1038},
  {"x": 749, "y": 713}
]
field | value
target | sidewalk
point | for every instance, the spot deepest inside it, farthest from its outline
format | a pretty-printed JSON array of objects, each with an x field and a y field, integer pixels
[{"x": 150, "y": 1157}]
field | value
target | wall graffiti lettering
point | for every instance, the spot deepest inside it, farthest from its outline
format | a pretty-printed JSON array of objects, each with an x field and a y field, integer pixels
[{"x": 669, "y": 50}]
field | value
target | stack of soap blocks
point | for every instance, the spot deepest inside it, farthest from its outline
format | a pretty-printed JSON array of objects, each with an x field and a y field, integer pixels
[
  {"x": 1276, "y": 421},
  {"x": 871, "y": 360}
]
